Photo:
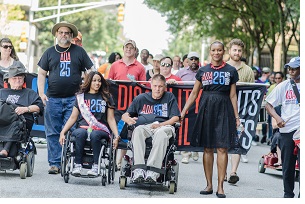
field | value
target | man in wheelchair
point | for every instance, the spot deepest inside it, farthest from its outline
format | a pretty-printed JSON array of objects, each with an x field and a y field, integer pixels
[
  {"x": 157, "y": 111},
  {"x": 26, "y": 101}
]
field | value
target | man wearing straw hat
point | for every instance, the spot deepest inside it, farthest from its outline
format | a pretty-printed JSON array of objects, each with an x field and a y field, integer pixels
[{"x": 64, "y": 63}]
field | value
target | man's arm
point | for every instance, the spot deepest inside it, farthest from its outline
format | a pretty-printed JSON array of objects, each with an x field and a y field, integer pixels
[
  {"x": 171, "y": 121},
  {"x": 41, "y": 80}
]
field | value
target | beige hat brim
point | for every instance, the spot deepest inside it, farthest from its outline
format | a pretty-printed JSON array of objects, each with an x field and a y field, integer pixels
[{"x": 65, "y": 24}]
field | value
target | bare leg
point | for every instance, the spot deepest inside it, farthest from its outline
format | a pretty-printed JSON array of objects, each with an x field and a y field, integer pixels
[
  {"x": 235, "y": 158},
  {"x": 222, "y": 163},
  {"x": 208, "y": 161}
]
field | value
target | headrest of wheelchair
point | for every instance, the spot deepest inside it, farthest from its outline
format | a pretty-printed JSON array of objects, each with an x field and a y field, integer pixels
[{"x": 14, "y": 71}]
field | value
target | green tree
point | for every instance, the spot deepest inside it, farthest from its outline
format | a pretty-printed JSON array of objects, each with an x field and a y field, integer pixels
[
  {"x": 255, "y": 22},
  {"x": 98, "y": 27}
]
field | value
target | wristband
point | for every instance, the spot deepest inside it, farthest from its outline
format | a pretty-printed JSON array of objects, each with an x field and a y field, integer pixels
[{"x": 29, "y": 110}]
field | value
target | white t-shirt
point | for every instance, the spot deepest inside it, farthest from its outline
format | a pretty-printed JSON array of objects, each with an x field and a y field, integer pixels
[
  {"x": 148, "y": 66},
  {"x": 283, "y": 94}
]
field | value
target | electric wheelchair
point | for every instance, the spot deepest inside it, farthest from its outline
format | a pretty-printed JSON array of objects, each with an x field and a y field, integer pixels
[
  {"x": 106, "y": 162},
  {"x": 170, "y": 166},
  {"x": 22, "y": 151}
]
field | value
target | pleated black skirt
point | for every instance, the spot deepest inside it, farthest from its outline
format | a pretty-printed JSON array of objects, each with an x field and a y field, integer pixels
[{"x": 215, "y": 126}]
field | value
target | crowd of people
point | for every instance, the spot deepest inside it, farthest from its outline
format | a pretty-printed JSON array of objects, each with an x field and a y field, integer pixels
[{"x": 67, "y": 64}]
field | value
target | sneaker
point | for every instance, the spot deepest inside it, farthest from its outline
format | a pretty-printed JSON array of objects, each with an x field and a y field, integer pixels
[
  {"x": 151, "y": 176},
  {"x": 244, "y": 158},
  {"x": 138, "y": 175},
  {"x": 93, "y": 171},
  {"x": 253, "y": 143},
  {"x": 195, "y": 156},
  {"x": 185, "y": 160},
  {"x": 77, "y": 170},
  {"x": 54, "y": 170}
]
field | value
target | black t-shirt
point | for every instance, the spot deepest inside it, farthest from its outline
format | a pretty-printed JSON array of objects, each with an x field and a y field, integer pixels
[
  {"x": 65, "y": 69},
  {"x": 217, "y": 80},
  {"x": 97, "y": 106},
  {"x": 149, "y": 110},
  {"x": 23, "y": 98}
]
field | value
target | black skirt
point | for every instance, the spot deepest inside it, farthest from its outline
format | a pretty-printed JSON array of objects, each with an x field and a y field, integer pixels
[{"x": 215, "y": 125}]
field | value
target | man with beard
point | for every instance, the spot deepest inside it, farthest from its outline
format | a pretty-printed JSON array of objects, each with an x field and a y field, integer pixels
[
  {"x": 64, "y": 64},
  {"x": 188, "y": 74},
  {"x": 245, "y": 74},
  {"x": 285, "y": 94}
]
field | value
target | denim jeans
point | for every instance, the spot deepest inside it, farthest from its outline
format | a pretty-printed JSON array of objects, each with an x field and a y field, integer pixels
[
  {"x": 95, "y": 138},
  {"x": 57, "y": 112}
]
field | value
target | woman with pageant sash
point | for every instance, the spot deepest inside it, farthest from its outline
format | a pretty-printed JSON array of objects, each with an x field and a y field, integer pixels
[{"x": 93, "y": 113}]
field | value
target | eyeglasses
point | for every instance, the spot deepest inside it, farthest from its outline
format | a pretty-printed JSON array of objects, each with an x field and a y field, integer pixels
[
  {"x": 163, "y": 64},
  {"x": 61, "y": 33},
  {"x": 194, "y": 58},
  {"x": 7, "y": 46}
]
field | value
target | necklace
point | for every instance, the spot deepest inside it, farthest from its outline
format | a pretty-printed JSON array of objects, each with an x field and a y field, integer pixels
[
  {"x": 221, "y": 66},
  {"x": 63, "y": 51}
]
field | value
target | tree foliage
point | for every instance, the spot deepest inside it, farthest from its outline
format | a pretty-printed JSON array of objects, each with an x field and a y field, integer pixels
[
  {"x": 99, "y": 27},
  {"x": 257, "y": 23}
]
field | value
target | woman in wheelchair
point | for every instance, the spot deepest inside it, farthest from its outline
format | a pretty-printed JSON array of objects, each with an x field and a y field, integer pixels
[
  {"x": 26, "y": 100},
  {"x": 93, "y": 111}
]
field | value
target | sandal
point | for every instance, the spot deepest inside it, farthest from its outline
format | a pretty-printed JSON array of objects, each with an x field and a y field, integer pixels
[{"x": 233, "y": 178}]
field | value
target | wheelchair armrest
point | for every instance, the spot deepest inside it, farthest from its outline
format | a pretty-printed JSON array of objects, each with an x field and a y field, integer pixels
[
  {"x": 131, "y": 127},
  {"x": 35, "y": 116}
]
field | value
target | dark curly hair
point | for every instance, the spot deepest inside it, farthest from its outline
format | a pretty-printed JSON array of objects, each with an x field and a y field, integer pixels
[{"x": 104, "y": 89}]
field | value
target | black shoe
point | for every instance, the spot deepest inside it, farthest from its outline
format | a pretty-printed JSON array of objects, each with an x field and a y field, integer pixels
[
  {"x": 233, "y": 179},
  {"x": 54, "y": 170},
  {"x": 204, "y": 192},
  {"x": 264, "y": 139},
  {"x": 220, "y": 195}
]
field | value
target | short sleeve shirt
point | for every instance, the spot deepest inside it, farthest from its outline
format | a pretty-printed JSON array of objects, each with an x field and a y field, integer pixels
[
  {"x": 98, "y": 107},
  {"x": 217, "y": 80},
  {"x": 64, "y": 69},
  {"x": 149, "y": 110}
]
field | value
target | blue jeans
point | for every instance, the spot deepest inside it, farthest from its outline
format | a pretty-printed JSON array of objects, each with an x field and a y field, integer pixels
[
  {"x": 57, "y": 112},
  {"x": 95, "y": 138}
]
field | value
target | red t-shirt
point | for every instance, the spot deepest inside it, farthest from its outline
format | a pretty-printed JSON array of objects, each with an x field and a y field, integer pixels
[{"x": 133, "y": 72}]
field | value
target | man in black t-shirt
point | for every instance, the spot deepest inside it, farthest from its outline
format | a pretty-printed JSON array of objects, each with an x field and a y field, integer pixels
[
  {"x": 156, "y": 112},
  {"x": 64, "y": 63}
]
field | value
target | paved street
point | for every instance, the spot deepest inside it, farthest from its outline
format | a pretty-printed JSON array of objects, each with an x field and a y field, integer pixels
[{"x": 191, "y": 180}]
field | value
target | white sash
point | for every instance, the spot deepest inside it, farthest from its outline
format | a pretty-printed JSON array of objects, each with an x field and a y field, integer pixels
[{"x": 88, "y": 116}]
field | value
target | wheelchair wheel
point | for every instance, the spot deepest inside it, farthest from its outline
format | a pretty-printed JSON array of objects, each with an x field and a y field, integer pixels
[
  {"x": 104, "y": 180},
  {"x": 172, "y": 186},
  {"x": 30, "y": 160},
  {"x": 123, "y": 182},
  {"x": 23, "y": 170},
  {"x": 66, "y": 178},
  {"x": 176, "y": 170},
  {"x": 64, "y": 158},
  {"x": 111, "y": 165},
  {"x": 261, "y": 166}
]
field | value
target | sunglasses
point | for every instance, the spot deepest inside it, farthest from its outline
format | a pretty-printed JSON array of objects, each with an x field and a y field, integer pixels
[
  {"x": 163, "y": 64},
  {"x": 7, "y": 46},
  {"x": 194, "y": 58},
  {"x": 66, "y": 33}
]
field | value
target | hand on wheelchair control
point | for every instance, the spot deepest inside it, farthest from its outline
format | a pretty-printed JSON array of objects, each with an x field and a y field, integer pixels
[{"x": 21, "y": 110}]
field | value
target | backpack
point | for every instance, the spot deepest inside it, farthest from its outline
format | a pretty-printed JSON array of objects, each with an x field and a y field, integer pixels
[{"x": 12, "y": 126}]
